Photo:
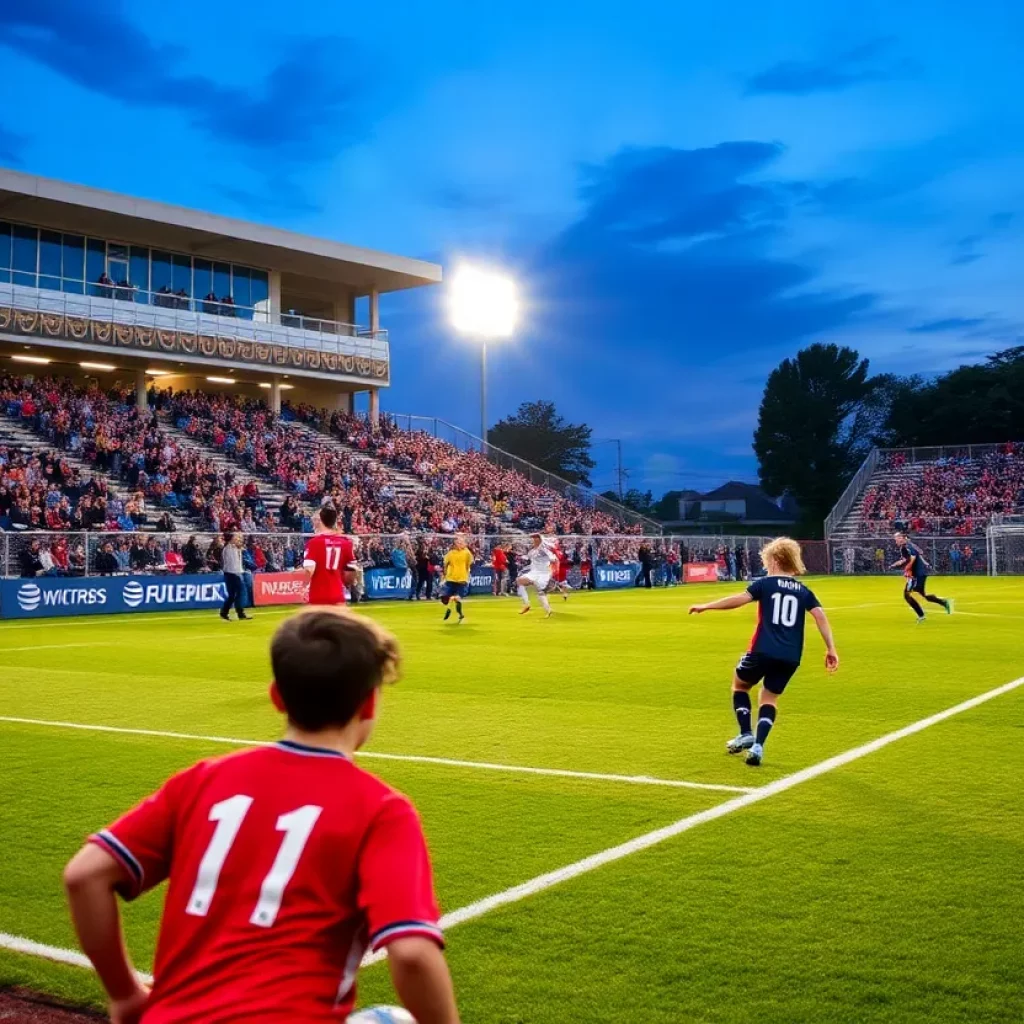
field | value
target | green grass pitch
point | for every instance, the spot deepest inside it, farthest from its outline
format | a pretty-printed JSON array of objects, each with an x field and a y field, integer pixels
[{"x": 887, "y": 890}]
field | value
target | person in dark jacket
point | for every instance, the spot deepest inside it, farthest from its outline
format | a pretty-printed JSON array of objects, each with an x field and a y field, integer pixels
[
  {"x": 646, "y": 565},
  {"x": 31, "y": 563},
  {"x": 105, "y": 563},
  {"x": 193, "y": 556}
]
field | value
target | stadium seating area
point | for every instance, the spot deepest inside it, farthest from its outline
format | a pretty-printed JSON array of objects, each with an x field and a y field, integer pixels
[
  {"x": 951, "y": 495},
  {"x": 383, "y": 479}
]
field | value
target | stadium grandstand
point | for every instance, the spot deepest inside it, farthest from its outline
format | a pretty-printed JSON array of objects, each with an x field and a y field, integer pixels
[
  {"x": 948, "y": 498},
  {"x": 167, "y": 371}
]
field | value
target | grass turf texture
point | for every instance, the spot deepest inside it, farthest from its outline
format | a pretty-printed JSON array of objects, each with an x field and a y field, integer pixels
[{"x": 887, "y": 890}]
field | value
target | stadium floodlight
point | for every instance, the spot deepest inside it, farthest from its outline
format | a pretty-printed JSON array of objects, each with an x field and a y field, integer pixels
[
  {"x": 105, "y": 367},
  {"x": 158, "y": 373},
  {"x": 222, "y": 380},
  {"x": 38, "y": 360},
  {"x": 483, "y": 305}
]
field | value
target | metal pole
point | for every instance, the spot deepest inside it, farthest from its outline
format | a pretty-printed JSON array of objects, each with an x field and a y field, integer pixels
[
  {"x": 483, "y": 394},
  {"x": 618, "y": 444}
]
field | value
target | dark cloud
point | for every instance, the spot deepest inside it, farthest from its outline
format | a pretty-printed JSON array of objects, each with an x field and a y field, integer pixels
[
  {"x": 849, "y": 68},
  {"x": 674, "y": 253},
  {"x": 1001, "y": 220},
  {"x": 11, "y": 146},
  {"x": 963, "y": 258},
  {"x": 952, "y": 323},
  {"x": 280, "y": 196},
  {"x": 303, "y": 109}
]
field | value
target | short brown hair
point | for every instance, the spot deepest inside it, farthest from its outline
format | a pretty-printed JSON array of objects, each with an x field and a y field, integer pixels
[
  {"x": 786, "y": 554},
  {"x": 329, "y": 516},
  {"x": 327, "y": 662}
]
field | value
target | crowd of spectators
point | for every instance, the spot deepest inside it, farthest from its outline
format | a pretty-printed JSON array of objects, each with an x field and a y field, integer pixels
[
  {"x": 106, "y": 429},
  {"x": 953, "y": 495},
  {"x": 498, "y": 494}
]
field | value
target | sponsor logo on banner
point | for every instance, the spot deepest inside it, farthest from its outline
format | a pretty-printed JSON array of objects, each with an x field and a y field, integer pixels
[
  {"x": 700, "y": 572},
  {"x": 279, "y": 587},
  {"x": 613, "y": 576},
  {"x": 55, "y": 596},
  {"x": 388, "y": 583}
]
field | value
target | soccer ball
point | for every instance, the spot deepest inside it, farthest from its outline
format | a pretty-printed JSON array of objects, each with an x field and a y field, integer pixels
[{"x": 382, "y": 1015}]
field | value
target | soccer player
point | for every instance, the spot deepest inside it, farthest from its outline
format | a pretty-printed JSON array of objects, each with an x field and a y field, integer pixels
[
  {"x": 775, "y": 651},
  {"x": 329, "y": 562},
  {"x": 285, "y": 862},
  {"x": 457, "y": 565},
  {"x": 560, "y": 574},
  {"x": 915, "y": 569},
  {"x": 538, "y": 576}
]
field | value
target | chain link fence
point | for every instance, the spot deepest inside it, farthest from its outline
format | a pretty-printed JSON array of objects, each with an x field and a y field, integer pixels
[
  {"x": 98, "y": 553},
  {"x": 948, "y": 556}
]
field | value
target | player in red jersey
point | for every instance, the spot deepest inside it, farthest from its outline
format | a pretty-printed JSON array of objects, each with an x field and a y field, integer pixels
[
  {"x": 560, "y": 574},
  {"x": 285, "y": 862},
  {"x": 329, "y": 560}
]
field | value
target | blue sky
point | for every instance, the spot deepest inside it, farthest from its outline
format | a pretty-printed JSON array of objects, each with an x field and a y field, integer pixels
[{"x": 687, "y": 194}]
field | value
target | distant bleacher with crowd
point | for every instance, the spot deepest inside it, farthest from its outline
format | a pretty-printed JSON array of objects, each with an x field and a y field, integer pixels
[
  {"x": 197, "y": 461},
  {"x": 949, "y": 492}
]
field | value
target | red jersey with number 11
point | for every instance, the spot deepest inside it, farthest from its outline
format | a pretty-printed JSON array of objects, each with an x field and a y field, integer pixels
[
  {"x": 284, "y": 865},
  {"x": 329, "y": 555}
]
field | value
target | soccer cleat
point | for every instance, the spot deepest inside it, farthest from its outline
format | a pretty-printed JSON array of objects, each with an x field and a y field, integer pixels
[
  {"x": 548, "y": 614},
  {"x": 948, "y": 604},
  {"x": 462, "y": 618},
  {"x": 755, "y": 755},
  {"x": 524, "y": 610},
  {"x": 738, "y": 744},
  {"x": 920, "y": 620},
  {"x": 447, "y": 614}
]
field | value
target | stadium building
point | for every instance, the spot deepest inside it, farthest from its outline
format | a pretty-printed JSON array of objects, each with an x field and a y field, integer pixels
[{"x": 97, "y": 284}]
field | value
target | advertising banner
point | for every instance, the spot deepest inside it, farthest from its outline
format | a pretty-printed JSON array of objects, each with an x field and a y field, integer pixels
[
  {"x": 387, "y": 583},
  {"x": 279, "y": 587},
  {"x": 481, "y": 580},
  {"x": 616, "y": 575},
  {"x": 43, "y": 597},
  {"x": 700, "y": 572}
]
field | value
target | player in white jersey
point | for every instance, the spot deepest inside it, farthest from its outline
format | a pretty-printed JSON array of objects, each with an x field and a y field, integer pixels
[{"x": 538, "y": 576}]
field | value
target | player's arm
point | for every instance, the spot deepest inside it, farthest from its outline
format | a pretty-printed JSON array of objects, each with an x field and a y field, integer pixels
[
  {"x": 309, "y": 559},
  {"x": 422, "y": 980},
  {"x": 92, "y": 880},
  {"x": 825, "y": 629},
  {"x": 723, "y": 604}
]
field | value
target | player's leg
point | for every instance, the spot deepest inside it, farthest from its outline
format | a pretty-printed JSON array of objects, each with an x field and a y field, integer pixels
[
  {"x": 748, "y": 674},
  {"x": 445, "y": 599},
  {"x": 460, "y": 594},
  {"x": 908, "y": 596},
  {"x": 941, "y": 601},
  {"x": 521, "y": 584},
  {"x": 776, "y": 680},
  {"x": 542, "y": 596}
]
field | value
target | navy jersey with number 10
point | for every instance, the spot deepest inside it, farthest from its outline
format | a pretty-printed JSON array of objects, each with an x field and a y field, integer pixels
[{"x": 782, "y": 607}]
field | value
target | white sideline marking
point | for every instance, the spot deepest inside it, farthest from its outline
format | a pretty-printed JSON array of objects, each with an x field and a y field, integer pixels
[
  {"x": 649, "y": 839},
  {"x": 597, "y": 860},
  {"x": 635, "y": 780},
  {"x": 98, "y": 643}
]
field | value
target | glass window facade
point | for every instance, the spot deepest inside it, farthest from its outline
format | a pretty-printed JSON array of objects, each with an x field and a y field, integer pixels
[{"x": 40, "y": 258}]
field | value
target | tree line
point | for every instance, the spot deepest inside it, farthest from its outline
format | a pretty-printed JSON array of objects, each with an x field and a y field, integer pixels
[{"x": 821, "y": 413}]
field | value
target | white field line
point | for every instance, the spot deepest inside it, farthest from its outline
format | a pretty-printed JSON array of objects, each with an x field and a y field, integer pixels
[
  {"x": 198, "y": 616},
  {"x": 597, "y": 860},
  {"x": 635, "y": 780},
  {"x": 101, "y": 643}
]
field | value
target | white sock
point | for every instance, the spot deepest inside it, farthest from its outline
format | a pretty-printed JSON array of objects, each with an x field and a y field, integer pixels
[
  {"x": 524, "y": 595},
  {"x": 544, "y": 602}
]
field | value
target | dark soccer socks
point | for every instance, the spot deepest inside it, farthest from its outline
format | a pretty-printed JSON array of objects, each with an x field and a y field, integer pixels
[
  {"x": 447, "y": 614},
  {"x": 765, "y": 721},
  {"x": 913, "y": 604},
  {"x": 741, "y": 705},
  {"x": 458, "y": 608}
]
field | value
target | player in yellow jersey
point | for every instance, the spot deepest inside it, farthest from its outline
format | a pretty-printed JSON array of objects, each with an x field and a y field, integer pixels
[{"x": 457, "y": 564}]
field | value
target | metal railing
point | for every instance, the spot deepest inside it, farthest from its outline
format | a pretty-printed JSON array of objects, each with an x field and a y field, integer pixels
[
  {"x": 953, "y": 556},
  {"x": 853, "y": 490},
  {"x": 739, "y": 557},
  {"x": 122, "y": 305},
  {"x": 463, "y": 440}
]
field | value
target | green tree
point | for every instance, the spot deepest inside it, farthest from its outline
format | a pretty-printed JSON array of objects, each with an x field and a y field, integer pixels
[
  {"x": 811, "y": 428},
  {"x": 974, "y": 404},
  {"x": 539, "y": 435}
]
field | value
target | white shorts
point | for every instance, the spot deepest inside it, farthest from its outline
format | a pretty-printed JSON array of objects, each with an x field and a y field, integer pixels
[{"x": 540, "y": 580}]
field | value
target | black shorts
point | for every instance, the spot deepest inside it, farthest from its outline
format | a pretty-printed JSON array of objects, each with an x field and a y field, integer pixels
[
  {"x": 915, "y": 585},
  {"x": 773, "y": 672}
]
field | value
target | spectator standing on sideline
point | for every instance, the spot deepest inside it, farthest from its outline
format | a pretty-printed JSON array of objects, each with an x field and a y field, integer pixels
[
  {"x": 193, "y": 556},
  {"x": 513, "y": 568},
  {"x": 106, "y": 563},
  {"x": 499, "y": 563},
  {"x": 424, "y": 577},
  {"x": 646, "y": 565},
  {"x": 232, "y": 566},
  {"x": 31, "y": 563}
]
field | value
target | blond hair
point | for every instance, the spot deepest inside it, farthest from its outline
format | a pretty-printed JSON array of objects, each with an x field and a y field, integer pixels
[{"x": 785, "y": 553}]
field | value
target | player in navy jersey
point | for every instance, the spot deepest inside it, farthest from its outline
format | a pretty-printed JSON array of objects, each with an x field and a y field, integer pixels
[
  {"x": 916, "y": 570},
  {"x": 783, "y": 603}
]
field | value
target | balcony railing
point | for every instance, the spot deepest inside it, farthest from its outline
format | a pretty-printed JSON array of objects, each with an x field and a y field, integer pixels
[{"x": 166, "y": 323}]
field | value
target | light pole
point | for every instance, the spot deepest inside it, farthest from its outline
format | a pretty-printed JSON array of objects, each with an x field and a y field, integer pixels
[
  {"x": 621, "y": 473},
  {"x": 483, "y": 305}
]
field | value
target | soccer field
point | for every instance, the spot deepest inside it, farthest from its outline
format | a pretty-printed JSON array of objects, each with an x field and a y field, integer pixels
[{"x": 881, "y": 886}]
